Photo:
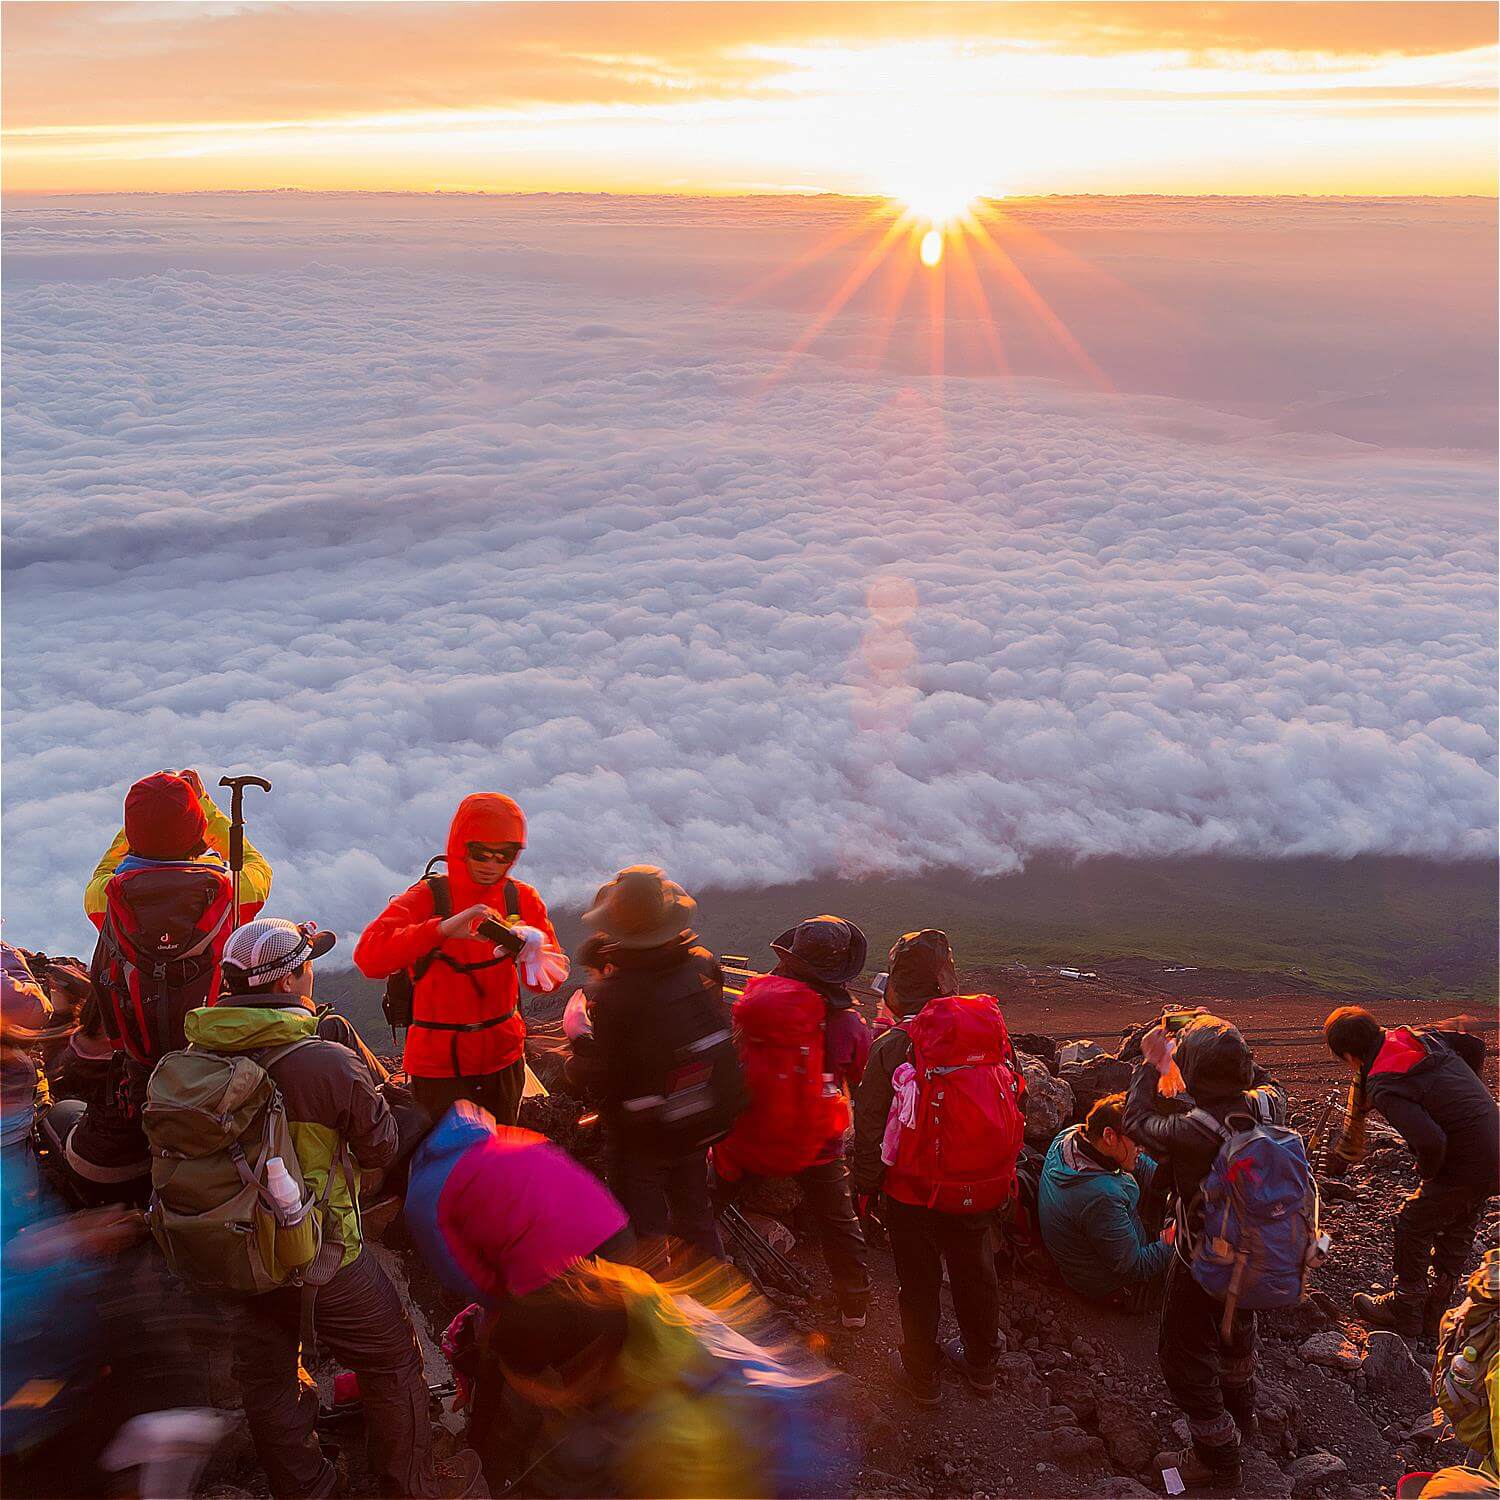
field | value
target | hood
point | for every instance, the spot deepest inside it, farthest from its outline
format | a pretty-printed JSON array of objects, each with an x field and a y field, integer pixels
[
  {"x": 482, "y": 818},
  {"x": 465, "y": 1125},
  {"x": 1066, "y": 1165},
  {"x": 241, "y": 1028},
  {"x": 682, "y": 949},
  {"x": 1214, "y": 1059}
]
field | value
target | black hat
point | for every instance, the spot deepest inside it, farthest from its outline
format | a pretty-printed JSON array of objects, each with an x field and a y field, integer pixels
[{"x": 829, "y": 949}]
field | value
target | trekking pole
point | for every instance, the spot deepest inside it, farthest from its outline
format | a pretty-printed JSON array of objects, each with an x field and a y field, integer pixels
[{"x": 237, "y": 785}]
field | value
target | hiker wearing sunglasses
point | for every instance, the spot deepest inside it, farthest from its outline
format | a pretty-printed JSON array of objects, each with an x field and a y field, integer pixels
[{"x": 467, "y": 1037}]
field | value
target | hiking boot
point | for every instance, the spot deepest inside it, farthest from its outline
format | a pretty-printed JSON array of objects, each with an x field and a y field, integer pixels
[
  {"x": 1393, "y": 1310},
  {"x": 459, "y": 1476},
  {"x": 853, "y": 1306},
  {"x": 980, "y": 1379},
  {"x": 1214, "y": 1469},
  {"x": 925, "y": 1391},
  {"x": 1439, "y": 1300}
]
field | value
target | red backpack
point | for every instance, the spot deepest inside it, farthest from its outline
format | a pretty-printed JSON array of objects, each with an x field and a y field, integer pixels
[
  {"x": 159, "y": 951},
  {"x": 794, "y": 1110},
  {"x": 959, "y": 1154}
]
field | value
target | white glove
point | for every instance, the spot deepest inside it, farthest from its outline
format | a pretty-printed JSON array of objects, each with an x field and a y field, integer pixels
[
  {"x": 543, "y": 964},
  {"x": 575, "y": 1021}
]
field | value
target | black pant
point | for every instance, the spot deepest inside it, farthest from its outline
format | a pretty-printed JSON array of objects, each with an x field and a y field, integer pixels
[
  {"x": 359, "y": 1317},
  {"x": 1436, "y": 1228},
  {"x": 500, "y": 1093},
  {"x": 665, "y": 1195},
  {"x": 922, "y": 1241},
  {"x": 825, "y": 1191},
  {"x": 1212, "y": 1379}
]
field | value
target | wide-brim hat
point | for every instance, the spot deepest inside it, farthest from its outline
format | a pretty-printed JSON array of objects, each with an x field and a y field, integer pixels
[
  {"x": 641, "y": 908},
  {"x": 829, "y": 949}
]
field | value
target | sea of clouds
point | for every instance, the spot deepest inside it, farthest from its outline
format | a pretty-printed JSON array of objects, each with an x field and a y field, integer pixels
[{"x": 391, "y": 500}]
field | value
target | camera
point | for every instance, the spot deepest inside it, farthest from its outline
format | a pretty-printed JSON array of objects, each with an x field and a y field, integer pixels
[{"x": 500, "y": 935}]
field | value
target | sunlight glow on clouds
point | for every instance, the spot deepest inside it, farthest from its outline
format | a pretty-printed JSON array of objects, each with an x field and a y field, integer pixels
[
  {"x": 393, "y": 500},
  {"x": 732, "y": 98}
]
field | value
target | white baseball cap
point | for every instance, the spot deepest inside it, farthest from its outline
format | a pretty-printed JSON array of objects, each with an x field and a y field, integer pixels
[{"x": 269, "y": 948}]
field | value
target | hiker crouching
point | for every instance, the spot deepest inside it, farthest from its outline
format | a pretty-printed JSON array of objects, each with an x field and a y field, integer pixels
[
  {"x": 660, "y": 1058},
  {"x": 499, "y": 1215},
  {"x": 803, "y": 1047},
  {"x": 1089, "y": 1207},
  {"x": 944, "y": 1168},
  {"x": 465, "y": 1036},
  {"x": 1429, "y": 1084},
  {"x": 1210, "y": 1374},
  {"x": 337, "y": 1122}
]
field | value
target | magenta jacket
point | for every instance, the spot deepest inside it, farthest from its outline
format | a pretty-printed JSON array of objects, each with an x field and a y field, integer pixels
[{"x": 498, "y": 1212}]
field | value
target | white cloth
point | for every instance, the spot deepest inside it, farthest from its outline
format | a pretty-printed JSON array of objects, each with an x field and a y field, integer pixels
[
  {"x": 575, "y": 1020},
  {"x": 903, "y": 1113}
]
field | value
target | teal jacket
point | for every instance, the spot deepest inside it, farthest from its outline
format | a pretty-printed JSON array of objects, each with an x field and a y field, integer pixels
[{"x": 1090, "y": 1220}]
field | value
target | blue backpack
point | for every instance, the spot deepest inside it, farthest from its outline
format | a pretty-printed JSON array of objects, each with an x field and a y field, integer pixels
[{"x": 1260, "y": 1217}]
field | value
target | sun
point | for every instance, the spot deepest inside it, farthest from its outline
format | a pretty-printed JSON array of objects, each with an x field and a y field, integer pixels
[{"x": 938, "y": 205}]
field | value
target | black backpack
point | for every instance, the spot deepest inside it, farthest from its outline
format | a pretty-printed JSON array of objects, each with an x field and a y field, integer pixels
[
  {"x": 692, "y": 1091},
  {"x": 400, "y": 989}
]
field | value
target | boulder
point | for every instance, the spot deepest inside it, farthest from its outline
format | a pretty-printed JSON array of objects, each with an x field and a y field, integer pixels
[
  {"x": 1389, "y": 1367},
  {"x": 1263, "y": 1478},
  {"x": 1277, "y": 1409},
  {"x": 1333, "y": 1350},
  {"x": 1093, "y": 1079},
  {"x": 1049, "y": 1100},
  {"x": 1313, "y": 1469},
  {"x": 1038, "y": 1045},
  {"x": 1068, "y": 1444},
  {"x": 1130, "y": 1439}
]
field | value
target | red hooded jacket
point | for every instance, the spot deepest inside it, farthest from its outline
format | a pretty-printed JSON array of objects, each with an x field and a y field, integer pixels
[{"x": 407, "y": 930}]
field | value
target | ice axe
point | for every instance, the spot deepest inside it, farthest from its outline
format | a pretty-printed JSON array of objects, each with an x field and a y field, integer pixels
[{"x": 237, "y": 785}]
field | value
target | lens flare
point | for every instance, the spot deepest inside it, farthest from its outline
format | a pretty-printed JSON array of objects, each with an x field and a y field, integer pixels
[{"x": 932, "y": 247}]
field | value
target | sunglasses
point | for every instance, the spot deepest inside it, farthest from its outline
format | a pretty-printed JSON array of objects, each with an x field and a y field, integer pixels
[{"x": 500, "y": 854}]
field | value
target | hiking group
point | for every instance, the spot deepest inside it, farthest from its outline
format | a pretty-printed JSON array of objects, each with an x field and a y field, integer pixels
[{"x": 605, "y": 1347}]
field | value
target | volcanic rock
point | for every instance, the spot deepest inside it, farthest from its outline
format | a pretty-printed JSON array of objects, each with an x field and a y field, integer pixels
[
  {"x": 1123, "y": 1487},
  {"x": 1332, "y": 1350},
  {"x": 1093, "y": 1079},
  {"x": 1131, "y": 1441},
  {"x": 1049, "y": 1100},
  {"x": 1314, "y": 1469},
  {"x": 1388, "y": 1366}
]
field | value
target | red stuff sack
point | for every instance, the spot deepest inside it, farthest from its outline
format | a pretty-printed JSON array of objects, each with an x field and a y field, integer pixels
[
  {"x": 794, "y": 1110},
  {"x": 959, "y": 1154},
  {"x": 159, "y": 951}
]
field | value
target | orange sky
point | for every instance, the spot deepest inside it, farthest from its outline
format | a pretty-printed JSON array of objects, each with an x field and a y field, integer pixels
[{"x": 941, "y": 100}]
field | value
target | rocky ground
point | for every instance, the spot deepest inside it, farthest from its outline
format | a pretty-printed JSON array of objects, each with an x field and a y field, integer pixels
[{"x": 1081, "y": 1409}]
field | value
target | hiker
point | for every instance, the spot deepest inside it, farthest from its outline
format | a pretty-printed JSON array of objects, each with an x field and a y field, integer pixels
[
  {"x": 589, "y": 1377},
  {"x": 803, "y": 1045},
  {"x": 335, "y": 1113},
  {"x": 942, "y": 1172},
  {"x": 1089, "y": 1207},
  {"x": 499, "y": 1214},
  {"x": 466, "y": 1036},
  {"x": 171, "y": 819},
  {"x": 1210, "y": 1376},
  {"x": 1429, "y": 1084},
  {"x": 25, "y": 1012},
  {"x": 656, "y": 1049}
]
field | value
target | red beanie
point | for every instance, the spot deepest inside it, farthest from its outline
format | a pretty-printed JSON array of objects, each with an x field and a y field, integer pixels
[{"x": 163, "y": 819}]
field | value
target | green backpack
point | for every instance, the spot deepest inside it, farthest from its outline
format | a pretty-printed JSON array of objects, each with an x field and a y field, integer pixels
[
  {"x": 214, "y": 1121},
  {"x": 1463, "y": 1380}
]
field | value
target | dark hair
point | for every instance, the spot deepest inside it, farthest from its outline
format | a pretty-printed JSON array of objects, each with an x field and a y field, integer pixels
[
  {"x": 594, "y": 952},
  {"x": 1107, "y": 1113},
  {"x": 1352, "y": 1031},
  {"x": 234, "y": 981}
]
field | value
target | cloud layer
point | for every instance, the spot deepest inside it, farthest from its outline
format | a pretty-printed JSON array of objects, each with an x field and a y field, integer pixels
[{"x": 390, "y": 528}]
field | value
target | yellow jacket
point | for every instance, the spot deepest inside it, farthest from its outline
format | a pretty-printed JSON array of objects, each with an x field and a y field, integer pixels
[{"x": 255, "y": 878}]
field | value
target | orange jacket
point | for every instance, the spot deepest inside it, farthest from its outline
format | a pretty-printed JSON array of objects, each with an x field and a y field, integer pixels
[{"x": 406, "y": 931}]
